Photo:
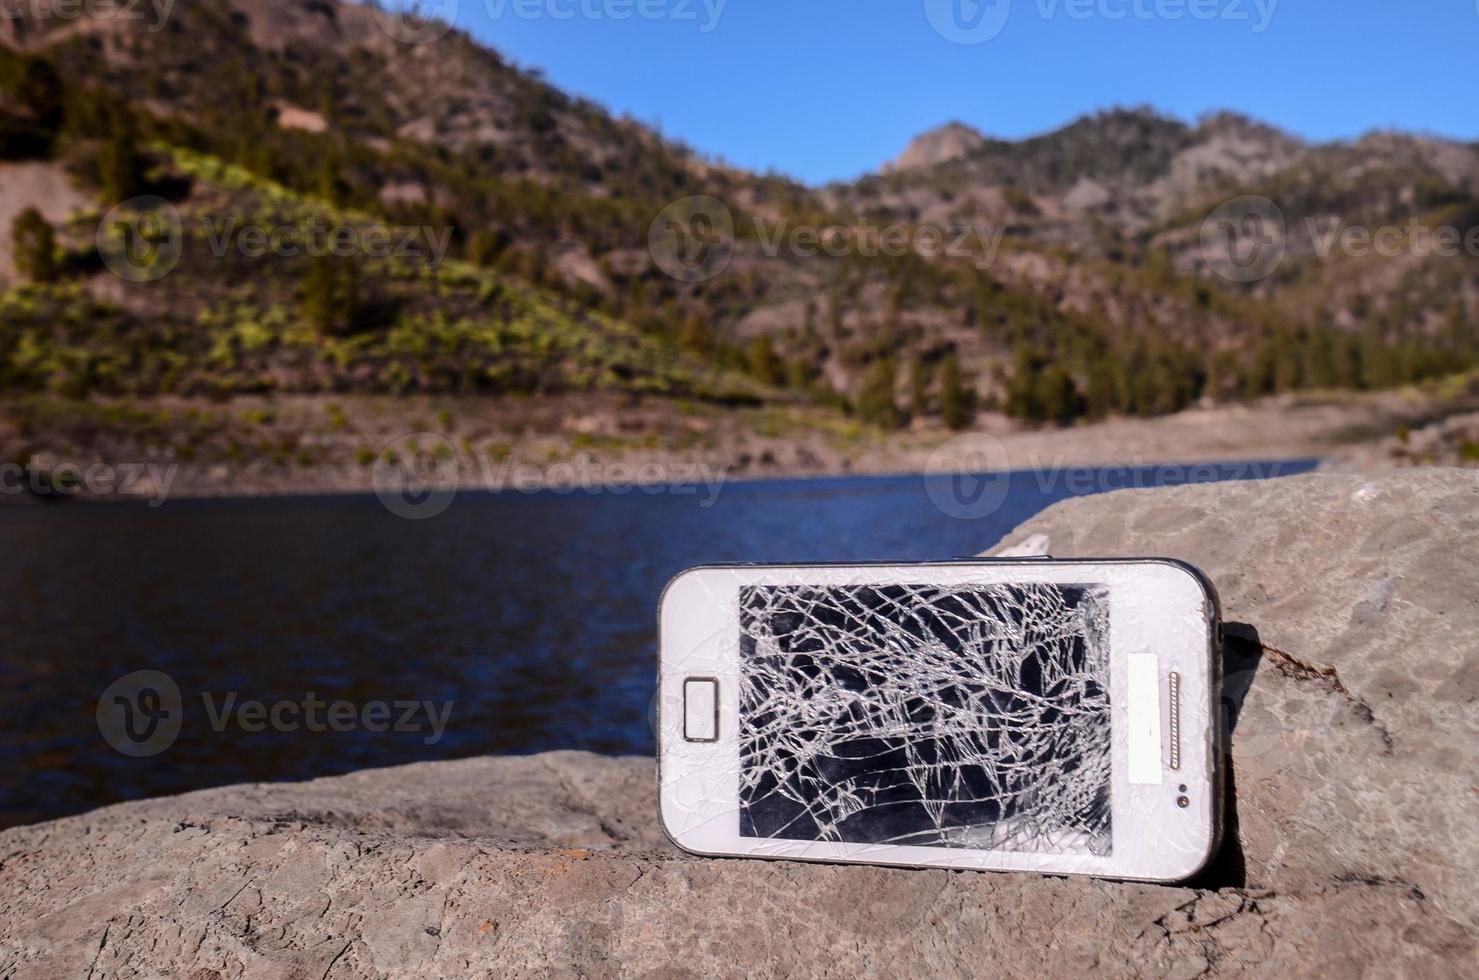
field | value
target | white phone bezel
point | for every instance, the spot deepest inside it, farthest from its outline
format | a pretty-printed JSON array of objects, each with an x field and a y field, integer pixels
[{"x": 1158, "y": 607}]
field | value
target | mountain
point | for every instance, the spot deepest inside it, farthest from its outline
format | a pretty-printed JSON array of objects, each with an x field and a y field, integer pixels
[
  {"x": 1115, "y": 218},
  {"x": 268, "y": 114},
  {"x": 948, "y": 142},
  {"x": 1083, "y": 272}
]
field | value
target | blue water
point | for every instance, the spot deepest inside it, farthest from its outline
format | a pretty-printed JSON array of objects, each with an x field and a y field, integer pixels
[{"x": 533, "y": 613}]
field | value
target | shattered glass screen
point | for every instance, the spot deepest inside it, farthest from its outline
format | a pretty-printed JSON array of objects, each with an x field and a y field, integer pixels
[{"x": 963, "y": 716}]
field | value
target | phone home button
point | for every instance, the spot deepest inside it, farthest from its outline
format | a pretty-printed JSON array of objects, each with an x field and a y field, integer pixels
[{"x": 701, "y": 709}]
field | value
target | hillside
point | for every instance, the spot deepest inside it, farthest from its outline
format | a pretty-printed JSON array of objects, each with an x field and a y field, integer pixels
[
  {"x": 1066, "y": 276},
  {"x": 1108, "y": 218}
]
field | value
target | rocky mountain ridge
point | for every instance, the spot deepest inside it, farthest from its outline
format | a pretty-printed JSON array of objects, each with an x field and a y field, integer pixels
[
  {"x": 1080, "y": 273},
  {"x": 936, "y": 146}
]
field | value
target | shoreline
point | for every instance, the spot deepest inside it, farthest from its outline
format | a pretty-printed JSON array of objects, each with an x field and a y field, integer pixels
[
  {"x": 1058, "y": 470},
  {"x": 321, "y": 446}
]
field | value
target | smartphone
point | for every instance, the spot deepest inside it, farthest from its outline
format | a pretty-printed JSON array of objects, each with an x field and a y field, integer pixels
[{"x": 1040, "y": 715}]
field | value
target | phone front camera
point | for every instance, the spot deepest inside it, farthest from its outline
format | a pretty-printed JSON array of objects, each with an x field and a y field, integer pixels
[{"x": 1183, "y": 802}]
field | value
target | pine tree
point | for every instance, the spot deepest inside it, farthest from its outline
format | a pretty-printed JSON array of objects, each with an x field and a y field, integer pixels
[
  {"x": 1261, "y": 376},
  {"x": 332, "y": 186},
  {"x": 331, "y": 301},
  {"x": 800, "y": 373},
  {"x": 1225, "y": 376},
  {"x": 697, "y": 336},
  {"x": 1104, "y": 392},
  {"x": 1348, "y": 361},
  {"x": 1022, "y": 393},
  {"x": 1057, "y": 396},
  {"x": 32, "y": 90},
  {"x": 892, "y": 311},
  {"x": 1287, "y": 362},
  {"x": 834, "y": 311},
  {"x": 1377, "y": 367},
  {"x": 1319, "y": 367},
  {"x": 34, "y": 246},
  {"x": 875, "y": 399},
  {"x": 918, "y": 388},
  {"x": 485, "y": 247},
  {"x": 120, "y": 165},
  {"x": 956, "y": 401},
  {"x": 763, "y": 362},
  {"x": 39, "y": 90}
]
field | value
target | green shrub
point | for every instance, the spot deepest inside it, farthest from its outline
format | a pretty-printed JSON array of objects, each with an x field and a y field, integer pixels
[
  {"x": 34, "y": 246},
  {"x": 330, "y": 296},
  {"x": 763, "y": 362}
]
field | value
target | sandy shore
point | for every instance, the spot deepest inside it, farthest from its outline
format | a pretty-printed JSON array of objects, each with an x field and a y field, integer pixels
[{"x": 178, "y": 448}]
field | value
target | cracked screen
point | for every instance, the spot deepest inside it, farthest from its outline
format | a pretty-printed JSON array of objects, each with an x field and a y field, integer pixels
[{"x": 962, "y": 716}]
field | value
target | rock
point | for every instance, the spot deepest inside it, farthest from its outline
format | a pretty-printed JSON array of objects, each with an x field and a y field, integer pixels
[
  {"x": 1353, "y": 606},
  {"x": 45, "y": 186},
  {"x": 940, "y": 145}
]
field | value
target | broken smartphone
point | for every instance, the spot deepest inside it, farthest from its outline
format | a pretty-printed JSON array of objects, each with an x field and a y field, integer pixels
[{"x": 1059, "y": 717}]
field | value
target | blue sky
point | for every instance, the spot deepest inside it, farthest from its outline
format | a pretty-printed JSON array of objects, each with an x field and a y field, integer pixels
[{"x": 828, "y": 89}]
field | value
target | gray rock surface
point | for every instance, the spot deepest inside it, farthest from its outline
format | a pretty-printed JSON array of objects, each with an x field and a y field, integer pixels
[{"x": 1355, "y": 850}]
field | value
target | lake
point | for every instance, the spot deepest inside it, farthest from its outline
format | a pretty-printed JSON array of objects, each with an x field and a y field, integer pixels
[{"x": 507, "y": 623}]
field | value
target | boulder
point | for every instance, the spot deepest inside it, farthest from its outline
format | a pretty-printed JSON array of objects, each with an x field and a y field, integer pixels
[{"x": 1353, "y": 668}]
